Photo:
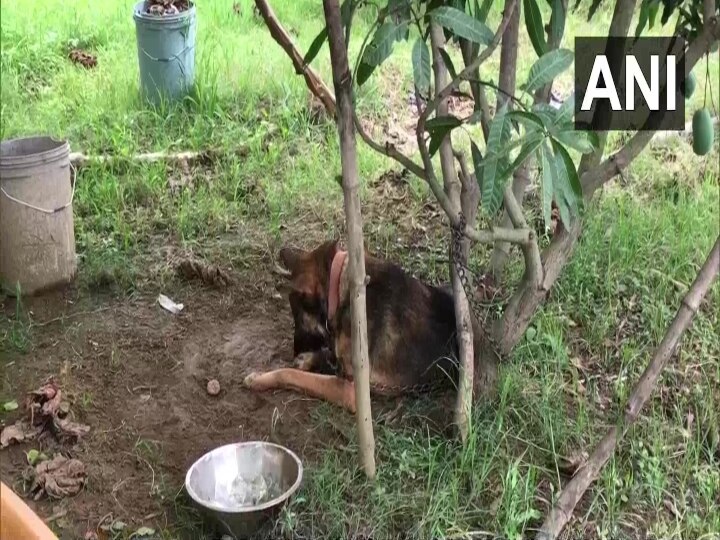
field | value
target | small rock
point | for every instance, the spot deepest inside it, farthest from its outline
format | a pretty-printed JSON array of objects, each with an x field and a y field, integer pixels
[{"x": 213, "y": 387}]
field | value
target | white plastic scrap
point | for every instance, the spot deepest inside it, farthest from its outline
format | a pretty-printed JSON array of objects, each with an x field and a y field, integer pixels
[{"x": 169, "y": 305}]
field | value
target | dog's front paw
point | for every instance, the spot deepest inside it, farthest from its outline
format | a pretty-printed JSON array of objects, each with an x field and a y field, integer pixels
[{"x": 249, "y": 381}]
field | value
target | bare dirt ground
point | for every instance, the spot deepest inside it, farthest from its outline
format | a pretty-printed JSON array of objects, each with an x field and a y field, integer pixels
[{"x": 137, "y": 376}]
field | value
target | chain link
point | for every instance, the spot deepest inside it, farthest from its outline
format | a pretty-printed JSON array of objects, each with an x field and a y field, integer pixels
[
  {"x": 482, "y": 316},
  {"x": 464, "y": 274}
]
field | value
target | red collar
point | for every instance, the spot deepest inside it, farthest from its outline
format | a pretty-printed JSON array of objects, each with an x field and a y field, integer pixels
[{"x": 334, "y": 285}]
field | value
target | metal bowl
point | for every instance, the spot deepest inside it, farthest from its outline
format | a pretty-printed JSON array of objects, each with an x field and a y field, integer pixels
[{"x": 212, "y": 483}]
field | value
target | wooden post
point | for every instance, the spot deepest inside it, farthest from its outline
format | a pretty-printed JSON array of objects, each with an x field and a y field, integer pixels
[{"x": 342, "y": 81}]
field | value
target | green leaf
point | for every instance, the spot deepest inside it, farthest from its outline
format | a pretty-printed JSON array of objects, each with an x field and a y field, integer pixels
[
  {"x": 644, "y": 17},
  {"x": 560, "y": 198},
  {"x": 557, "y": 20},
  {"x": 315, "y": 46},
  {"x": 534, "y": 25},
  {"x": 654, "y": 7},
  {"x": 529, "y": 147},
  {"x": 448, "y": 63},
  {"x": 582, "y": 141},
  {"x": 547, "y": 67},
  {"x": 529, "y": 120},
  {"x": 10, "y": 405},
  {"x": 593, "y": 9},
  {"x": 566, "y": 112},
  {"x": 421, "y": 66},
  {"x": 381, "y": 46},
  {"x": 481, "y": 12},
  {"x": 442, "y": 122},
  {"x": 572, "y": 175},
  {"x": 438, "y": 128},
  {"x": 462, "y": 25},
  {"x": 364, "y": 71},
  {"x": 549, "y": 173},
  {"x": 32, "y": 456},
  {"x": 492, "y": 185}
]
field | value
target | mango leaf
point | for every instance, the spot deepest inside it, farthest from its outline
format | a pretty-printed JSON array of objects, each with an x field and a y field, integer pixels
[
  {"x": 644, "y": 17},
  {"x": 382, "y": 42},
  {"x": 421, "y": 66},
  {"x": 448, "y": 63},
  {"x": 593, "y": 9},
  {"x": 670, "y": 6},
  {"x": 481, "y": 12},
  {"x": 547, "y": 67},
  {"x": 566, "y": 112},
  {"x": 549, "y": 172},
  {"x": 379, "y": 49},
  {"x": 363, "y": 72},
  {"x": 462, "y": 25},
  {"x": 534, "y": 25},
  {"x": 315, "y": 46},
  {"x": 529, "y": 147},
  {"x": 582, "y": 141},
  {"x": 529, "y": 120},
  {"x": 561, "y": 191},
  {"x": 557, "y": 20},
  {"x": 492, "y": 185},
  {"x": 575, "y": 192},
  {"x": 438, "y": 128},
  {"x": 653, "y": 11}
]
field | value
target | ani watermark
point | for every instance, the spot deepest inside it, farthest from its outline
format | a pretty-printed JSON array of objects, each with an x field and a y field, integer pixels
[{"x": 629, "y": 84}]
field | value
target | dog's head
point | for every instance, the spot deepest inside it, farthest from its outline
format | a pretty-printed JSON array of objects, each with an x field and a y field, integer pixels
[{"x": 307, "y": 277}]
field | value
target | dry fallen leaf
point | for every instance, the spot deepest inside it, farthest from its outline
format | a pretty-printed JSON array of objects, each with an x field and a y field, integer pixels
[
  {"x": 18, "y": 432},
  {"x": 59, "y": 477},
  {"x": 71, "y": 429}
]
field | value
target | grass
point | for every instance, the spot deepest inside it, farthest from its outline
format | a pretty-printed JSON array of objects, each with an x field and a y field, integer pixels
[{"x": 566, "y": 381}]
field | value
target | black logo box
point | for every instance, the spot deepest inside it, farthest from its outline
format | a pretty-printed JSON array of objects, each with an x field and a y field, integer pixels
[{"x": 601, "y": 117}]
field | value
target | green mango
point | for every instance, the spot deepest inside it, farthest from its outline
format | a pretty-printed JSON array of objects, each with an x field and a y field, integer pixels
[
  {"x": 703, "y": 132},
  {"x": 688, "y": 87}
]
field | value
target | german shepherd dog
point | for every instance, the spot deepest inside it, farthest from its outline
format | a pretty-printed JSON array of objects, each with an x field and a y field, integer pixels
[{"x": 410, "y": 325}]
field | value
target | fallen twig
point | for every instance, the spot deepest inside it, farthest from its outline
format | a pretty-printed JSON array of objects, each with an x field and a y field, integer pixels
[{"x": 575, "y": 489}]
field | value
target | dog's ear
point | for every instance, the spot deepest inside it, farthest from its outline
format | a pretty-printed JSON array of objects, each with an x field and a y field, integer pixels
[{"x": 290, "y": 258}]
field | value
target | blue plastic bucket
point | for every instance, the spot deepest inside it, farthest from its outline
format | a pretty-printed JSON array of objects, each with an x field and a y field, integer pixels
[{"x": 166, "y": 53}]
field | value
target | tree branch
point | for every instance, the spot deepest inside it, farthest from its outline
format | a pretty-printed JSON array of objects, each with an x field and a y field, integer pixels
[
  {"x": 531, "y": 250},
  {"x": 572, "y": 493},
  {"x": 388, "y": 149},
  {"x": 342, "y": 81},
  {"x": 468, "y": 71},
  {"x": 312, "y": 79}
]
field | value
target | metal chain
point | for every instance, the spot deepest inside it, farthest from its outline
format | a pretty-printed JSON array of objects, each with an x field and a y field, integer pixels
[{"x": 464, "y": 274}]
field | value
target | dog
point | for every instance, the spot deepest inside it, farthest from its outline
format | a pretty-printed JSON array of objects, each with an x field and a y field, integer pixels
[{"x": 410, "y": 325}]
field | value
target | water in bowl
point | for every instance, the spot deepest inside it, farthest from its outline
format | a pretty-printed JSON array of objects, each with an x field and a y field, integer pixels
[{"x": 243, "y": 491}]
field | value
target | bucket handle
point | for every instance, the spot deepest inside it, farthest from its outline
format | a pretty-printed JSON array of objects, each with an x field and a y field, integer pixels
[{"x": 46, "y": 210}]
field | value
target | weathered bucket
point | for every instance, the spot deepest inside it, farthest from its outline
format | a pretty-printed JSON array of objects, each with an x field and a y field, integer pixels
[
  {"x": 166, "y": 53},
  {"x": 37, "y": 237}
]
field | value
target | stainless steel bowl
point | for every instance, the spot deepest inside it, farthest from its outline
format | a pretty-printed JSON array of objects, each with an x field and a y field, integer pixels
[{"x": 212, "y": 484}]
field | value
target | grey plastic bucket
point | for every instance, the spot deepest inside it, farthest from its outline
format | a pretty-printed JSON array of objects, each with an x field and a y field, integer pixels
[
  {"x": 166, "y": 53},
  {"x": 37, "y": 237}
]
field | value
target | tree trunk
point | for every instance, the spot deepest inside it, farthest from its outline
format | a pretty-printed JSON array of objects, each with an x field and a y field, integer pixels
[
  {"x": 506, "y": 83},
  {"x": 575, "y": 489},
  {"x": 342, "y": 80},
  {"x": 452, "y": 187}
]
